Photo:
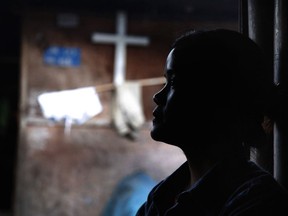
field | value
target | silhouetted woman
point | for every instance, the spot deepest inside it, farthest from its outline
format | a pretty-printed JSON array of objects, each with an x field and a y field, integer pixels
[{"x": 217, "y": 94}]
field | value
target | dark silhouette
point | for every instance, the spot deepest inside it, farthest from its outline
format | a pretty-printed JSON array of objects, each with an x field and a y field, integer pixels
[{"x": 214, "y": 106}]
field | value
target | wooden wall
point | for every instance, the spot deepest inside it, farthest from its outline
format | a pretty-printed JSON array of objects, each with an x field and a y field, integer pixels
[{"x": 74, "y": 174}]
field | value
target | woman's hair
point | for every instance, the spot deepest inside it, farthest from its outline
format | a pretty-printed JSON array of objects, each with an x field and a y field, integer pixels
[{"x": 234, "y": 76}]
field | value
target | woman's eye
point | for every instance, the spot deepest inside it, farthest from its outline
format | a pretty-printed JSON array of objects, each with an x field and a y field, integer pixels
[{"x": 172, "y": 81}]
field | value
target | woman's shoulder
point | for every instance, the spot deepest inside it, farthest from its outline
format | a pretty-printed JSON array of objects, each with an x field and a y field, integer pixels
[{"x": 261, "y": 195}]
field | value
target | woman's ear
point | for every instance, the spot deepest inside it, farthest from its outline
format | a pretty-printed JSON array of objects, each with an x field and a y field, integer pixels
[
  {"x": 254, "y": 134},
  {"x": 267, "y": 125}
]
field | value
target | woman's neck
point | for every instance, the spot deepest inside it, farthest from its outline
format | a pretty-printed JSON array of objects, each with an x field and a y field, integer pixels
[
  {"x": 199, "y": 168},
  {"x": 201, "y": 161}
]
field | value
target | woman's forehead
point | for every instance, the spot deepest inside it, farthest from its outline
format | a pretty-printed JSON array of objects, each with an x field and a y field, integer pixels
[{"x": 170, "y": 61}]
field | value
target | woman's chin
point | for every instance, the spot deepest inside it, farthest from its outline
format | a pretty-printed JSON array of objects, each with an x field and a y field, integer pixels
[
  {"x": 155, "y": 134},
  {"x": 158, "y": 135}
]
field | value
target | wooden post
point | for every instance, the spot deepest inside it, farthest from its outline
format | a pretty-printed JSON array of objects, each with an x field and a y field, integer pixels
[
  {"x": 257, "y": 23},
  {"x": 281, "y": 78}
]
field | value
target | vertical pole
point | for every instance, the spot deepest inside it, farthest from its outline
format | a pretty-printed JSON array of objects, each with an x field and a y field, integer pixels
[
  {"x": 260, "y": 14},
  {"x": 281, "y": 78}
]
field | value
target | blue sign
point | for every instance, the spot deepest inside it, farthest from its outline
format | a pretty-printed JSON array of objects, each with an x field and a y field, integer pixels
[{"x": 62, "y": 56}]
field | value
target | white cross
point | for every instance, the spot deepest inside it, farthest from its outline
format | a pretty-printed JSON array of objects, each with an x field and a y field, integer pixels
[{"x": 120, "y": 40}]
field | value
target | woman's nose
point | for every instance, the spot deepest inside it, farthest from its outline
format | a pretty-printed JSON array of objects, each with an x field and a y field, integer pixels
[
  {"x": 159, "y": 97},
  {"x": 155, "y": 98}
]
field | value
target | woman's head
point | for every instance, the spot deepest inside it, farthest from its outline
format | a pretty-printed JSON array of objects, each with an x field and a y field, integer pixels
[{"x": 217, "y": 87}]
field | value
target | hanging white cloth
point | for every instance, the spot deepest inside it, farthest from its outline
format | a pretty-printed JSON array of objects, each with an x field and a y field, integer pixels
[
  {"x": 127, "y": 108},
  {"x": 72, "y": 106}
]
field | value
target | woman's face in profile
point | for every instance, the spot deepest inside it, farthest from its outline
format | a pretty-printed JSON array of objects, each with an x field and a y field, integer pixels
[{"x": 173, "y": 110}]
